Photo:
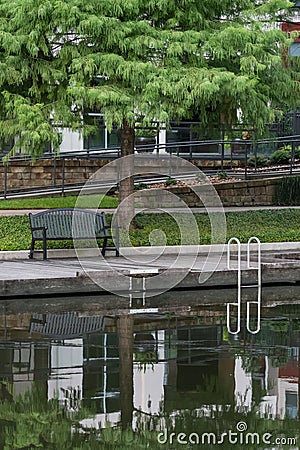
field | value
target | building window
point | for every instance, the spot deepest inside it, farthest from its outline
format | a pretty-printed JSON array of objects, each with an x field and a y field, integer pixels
[{"x": 294, "y": 49}]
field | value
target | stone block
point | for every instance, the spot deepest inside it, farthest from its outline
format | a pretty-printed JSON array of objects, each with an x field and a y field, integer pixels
[
  {"x": 37, "y": 170},
  {"x": 15, "y": 169}
]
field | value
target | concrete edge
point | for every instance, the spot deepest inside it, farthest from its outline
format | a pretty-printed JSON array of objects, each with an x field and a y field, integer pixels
[{"x": 140, "y": 251}]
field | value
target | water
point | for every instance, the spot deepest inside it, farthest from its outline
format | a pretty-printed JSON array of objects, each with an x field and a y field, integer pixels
[{"x": 170, "y": 377}]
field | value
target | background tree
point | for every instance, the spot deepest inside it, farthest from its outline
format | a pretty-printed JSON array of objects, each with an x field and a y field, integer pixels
[{"x": 152, "y": 59}]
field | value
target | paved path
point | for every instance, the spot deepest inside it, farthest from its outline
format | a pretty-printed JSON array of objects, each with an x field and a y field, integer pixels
[
  {"x": 27, "y": 278},
  {"x": 138, "y": 261},
  {"x": 18, "y": 212},
  {"x": 21, "y": 212}
]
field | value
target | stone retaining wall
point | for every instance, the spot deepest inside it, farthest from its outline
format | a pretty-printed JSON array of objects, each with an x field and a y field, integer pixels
[
  {"x": 260, "y": 192},
  {"x": 24, "y": 174},
  {"x": 46, "y": 172}
]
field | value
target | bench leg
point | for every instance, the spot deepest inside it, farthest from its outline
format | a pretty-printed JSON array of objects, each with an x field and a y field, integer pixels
[
  {"x": 31, "y": 251},
  {"x": 44, "y": 245},
  {"x": 117, "y": 242},
  {"x": 104, "y": 245}
]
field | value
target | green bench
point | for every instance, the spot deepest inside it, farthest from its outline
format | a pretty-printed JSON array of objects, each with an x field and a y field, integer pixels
[{"x": 71, "y": 224}]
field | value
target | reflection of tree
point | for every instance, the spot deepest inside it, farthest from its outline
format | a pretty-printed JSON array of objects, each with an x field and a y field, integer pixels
[
  {"x": 125, "y": 336},
  {"x": 274, "y": 341},
  {"x": 6, "y": 391},
  {"x": 32, "y": 422},
  {"x": 145, "y": 351}
]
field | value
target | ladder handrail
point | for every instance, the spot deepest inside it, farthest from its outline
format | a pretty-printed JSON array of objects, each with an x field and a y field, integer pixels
[
  {"x": 238, "y": 303},
  {"x": 252, "y": 239},
  {"x": 258, "y": 302},
  {"x": 240, "y": 286}
]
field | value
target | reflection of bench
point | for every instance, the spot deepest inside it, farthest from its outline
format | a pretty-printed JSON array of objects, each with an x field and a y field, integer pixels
[{"x": 68, "y": 224}]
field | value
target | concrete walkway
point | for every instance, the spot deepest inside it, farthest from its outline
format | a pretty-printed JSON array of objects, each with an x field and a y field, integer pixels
[
  {"x": 21, "y": 212},
  {"x": 63, "y": 273},
  {"x": 18, "y": 212}
]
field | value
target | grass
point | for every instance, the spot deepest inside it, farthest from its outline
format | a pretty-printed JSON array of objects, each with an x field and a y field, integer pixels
[
  {"x": 267, "y": 225},
  {"x": 57, "y": 202}
]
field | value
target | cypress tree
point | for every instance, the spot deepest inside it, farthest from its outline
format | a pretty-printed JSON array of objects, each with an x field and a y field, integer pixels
[{"x": 152, "y": 59}]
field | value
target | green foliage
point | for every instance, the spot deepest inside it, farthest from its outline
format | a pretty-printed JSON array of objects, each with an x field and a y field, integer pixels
[
  {"x": 91, "y": 201},
  {"x": 170, "y": 181},
  {"x": 14, "y": 233},
  {"x": 267, "y": 225},
  {"x": 288, "y": 191},
  {"x": 297, "y": 152},
  {"x": 281, "y": 156},
  {"x": 259, "y": 161},
  {"x": 30, "y": 422},
  {"x": 222, "y": 175},
  {"x": 166, "y": 60},
  {"x": 140, "y": 186},
  {"x": 279, "y": 326},
  {"x": 145, "y": 133}
]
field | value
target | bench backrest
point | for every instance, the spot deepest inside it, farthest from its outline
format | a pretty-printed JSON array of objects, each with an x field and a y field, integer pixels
[{"x": 68, "y": 223}]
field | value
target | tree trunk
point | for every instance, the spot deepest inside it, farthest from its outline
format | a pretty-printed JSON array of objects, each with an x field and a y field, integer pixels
[
  {"x": 127, "y": 149},
  {"x": 126, "y": 171},
  {"x": 125, "y": 336}
]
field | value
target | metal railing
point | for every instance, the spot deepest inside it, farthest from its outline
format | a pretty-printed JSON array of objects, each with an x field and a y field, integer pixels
[{"x": 225, "y": 155}]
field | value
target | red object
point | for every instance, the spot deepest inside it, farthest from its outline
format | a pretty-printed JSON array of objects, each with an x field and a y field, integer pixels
[
  {"x": 290, "y": 370},
  {"x": 288, "y": 27}
]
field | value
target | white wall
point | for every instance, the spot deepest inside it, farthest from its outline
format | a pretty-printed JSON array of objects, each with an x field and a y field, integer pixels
[{"x": 71, "y": 141}]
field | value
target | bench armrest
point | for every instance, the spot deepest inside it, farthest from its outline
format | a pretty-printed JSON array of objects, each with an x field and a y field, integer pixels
[{"x": 38, "y": 228}]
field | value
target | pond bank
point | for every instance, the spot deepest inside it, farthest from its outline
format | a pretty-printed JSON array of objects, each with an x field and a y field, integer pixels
[{"x": 20, "y": 277}]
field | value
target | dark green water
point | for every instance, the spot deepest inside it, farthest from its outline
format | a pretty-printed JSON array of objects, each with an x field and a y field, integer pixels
[{"x": 81, "y": 379}]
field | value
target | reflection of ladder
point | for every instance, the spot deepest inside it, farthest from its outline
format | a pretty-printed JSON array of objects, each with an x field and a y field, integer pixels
[
  {"x": 237, "y": 304},
  {"x": 140, "y": 290}
]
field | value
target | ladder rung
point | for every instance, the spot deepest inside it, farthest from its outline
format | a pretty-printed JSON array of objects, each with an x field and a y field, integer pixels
[
  {"x": 250, "y": 286},
  {"x": 136, "y": 290}
]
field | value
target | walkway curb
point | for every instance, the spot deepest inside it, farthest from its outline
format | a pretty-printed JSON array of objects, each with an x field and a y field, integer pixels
[{"x": 164, "y": 251}]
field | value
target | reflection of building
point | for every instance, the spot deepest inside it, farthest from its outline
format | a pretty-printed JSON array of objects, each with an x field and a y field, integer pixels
[
  {"x": 182, "y": 367},
  {"x": 24, "y": 363},
  {"x": 288, "y": 377},
  {"x": 101, "y": 372},
  {"x": 198, "y": 376}
]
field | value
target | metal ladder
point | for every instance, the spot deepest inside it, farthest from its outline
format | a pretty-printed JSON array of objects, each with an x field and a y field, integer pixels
[{"x": 237, "y": 304}]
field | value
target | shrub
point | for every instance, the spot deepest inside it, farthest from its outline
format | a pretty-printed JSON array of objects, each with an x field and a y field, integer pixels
[
  {"x": 170, "y": 181},
  {"x": 281, "y": 156},
  {"x": 222, "y": 175},
  {"x": 297, "y": 152},
  {"x": 288, "y": 191},
  {"x": 140, "y": 186},
  {"x": 261, "y": 160}
]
